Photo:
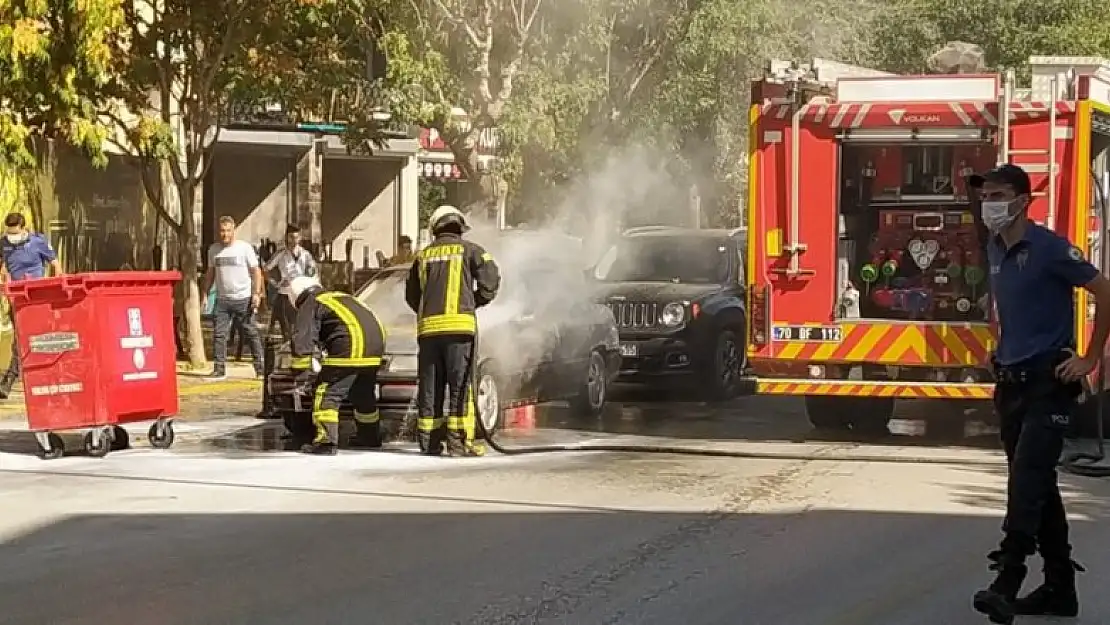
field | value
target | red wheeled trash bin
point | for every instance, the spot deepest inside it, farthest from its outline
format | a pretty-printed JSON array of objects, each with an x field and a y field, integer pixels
[{"x": 98, "y": 350}]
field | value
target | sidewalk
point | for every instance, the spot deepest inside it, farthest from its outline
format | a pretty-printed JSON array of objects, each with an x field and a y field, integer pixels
[{"x": 240, "y": 394}]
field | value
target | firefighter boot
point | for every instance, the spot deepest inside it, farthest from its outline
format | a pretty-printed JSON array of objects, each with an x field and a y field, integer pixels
[
  {"x": 462, "y": 448},
  {"x": 431, "y": 444},
  {"x": 367, "y": 436},
  {"x": 997, "y": 601},
  {"x": 1056, "y": 596},
  {"x": 319, "y": 449}
]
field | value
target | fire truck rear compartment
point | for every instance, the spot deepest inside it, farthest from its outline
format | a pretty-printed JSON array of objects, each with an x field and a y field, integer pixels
[{"x": 907, "y": 239}]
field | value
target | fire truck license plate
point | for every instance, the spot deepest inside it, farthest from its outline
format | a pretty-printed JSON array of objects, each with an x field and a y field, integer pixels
[{"x": 821, "y": 334}]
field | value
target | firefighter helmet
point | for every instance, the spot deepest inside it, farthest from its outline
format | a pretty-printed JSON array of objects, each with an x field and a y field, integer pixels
[
  {"x": 299, "y": 285},
  {"x": 446, "y": 214}
]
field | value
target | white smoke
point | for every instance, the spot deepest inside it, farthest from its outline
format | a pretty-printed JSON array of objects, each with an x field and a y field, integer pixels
[{"x": 544, "y": 264}]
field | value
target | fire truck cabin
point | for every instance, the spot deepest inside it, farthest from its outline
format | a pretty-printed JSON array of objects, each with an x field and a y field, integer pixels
[{"x": 867, "y": 281}]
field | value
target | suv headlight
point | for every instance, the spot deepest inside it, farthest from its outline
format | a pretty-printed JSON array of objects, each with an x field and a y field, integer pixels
[{"x": 673, "y": 314}]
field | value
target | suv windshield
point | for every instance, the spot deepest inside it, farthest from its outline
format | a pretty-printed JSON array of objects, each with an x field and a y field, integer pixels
[{"x": 689, "y": 260}]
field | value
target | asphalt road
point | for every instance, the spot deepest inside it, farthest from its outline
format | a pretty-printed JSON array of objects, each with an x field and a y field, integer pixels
[{"x": 226, "y": 533}]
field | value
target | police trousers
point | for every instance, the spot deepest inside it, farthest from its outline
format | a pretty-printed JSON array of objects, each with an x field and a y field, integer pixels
[
  {"x": 333, "y": 386},
  {"x": 1035, "y": 410},
  {"x": 446, "y": 373}
]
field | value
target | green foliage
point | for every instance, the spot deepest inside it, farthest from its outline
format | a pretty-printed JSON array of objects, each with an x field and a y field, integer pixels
[
  {"x": 55, "y": 58},
  {"x": 1009, "y": 31}
]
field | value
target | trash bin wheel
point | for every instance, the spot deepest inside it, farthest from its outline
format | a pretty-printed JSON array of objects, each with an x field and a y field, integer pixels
[
  {"x": 57, "y": 448},
  {"x": 98, "y": 449},
  {"x": 165, "y": 440},
  {"x": 120, "y": 439}
]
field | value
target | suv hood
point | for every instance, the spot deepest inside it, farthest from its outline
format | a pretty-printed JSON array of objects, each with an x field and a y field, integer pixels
[{"x": 661, "y": 292}]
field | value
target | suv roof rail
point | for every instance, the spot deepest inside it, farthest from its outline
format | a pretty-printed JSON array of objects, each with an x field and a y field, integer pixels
[
  {"x": 647, "y": 229},
  {"x": 736, "y": 231}
]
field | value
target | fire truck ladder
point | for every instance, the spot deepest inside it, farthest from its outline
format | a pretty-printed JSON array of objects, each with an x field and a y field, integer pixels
[{"x": 1006, "y": 153}]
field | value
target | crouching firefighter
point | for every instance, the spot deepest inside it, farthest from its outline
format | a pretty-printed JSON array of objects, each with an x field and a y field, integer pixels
[
  {"x": 352, "y": 341},
  {"x": 449, "y": 281}
]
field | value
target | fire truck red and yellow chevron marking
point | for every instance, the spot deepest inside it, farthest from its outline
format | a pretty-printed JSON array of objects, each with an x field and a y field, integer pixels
[
  {"x": 901, "y": 390},
  {"x": 937, "y": 344}
]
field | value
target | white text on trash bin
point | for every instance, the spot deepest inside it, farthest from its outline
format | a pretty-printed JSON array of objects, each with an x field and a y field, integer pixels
[{"x": 57, "y": 389}]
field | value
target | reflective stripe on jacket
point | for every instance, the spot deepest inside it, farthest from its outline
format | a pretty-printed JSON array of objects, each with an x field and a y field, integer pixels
[
  {"x": 341, "y": 326},
  {"x": 449, "y": 281}
]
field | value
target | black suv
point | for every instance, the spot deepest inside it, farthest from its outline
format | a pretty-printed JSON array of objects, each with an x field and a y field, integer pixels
[{"x": 677, "y": 296}]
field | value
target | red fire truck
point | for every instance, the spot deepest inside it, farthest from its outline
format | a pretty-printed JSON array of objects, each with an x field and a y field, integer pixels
[{"x": 866, "y": 280}]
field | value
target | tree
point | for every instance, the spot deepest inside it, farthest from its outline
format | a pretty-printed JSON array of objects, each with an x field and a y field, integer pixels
[
  {"x": 453, "y": 66},
  {"x": 180, "y": 65},
  {"x": 1009, "y": 31},
  {"x": 55, "y": 58}
]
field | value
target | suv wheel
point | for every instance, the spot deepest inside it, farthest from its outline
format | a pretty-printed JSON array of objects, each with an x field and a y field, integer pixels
[
  {"x": 591, "y": 397},
  {"x": 725, "y": 366},
  {"x": 488, "y": 399}
]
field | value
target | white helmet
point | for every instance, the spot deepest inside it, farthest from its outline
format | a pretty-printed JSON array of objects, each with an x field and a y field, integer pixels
[
  {"x": 444, "y": 213},
  {"x": 299, "y": 285}
]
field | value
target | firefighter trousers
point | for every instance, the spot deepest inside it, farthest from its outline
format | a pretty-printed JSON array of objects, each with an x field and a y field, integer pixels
[
  {"x": 333, "y": 386},
  {"x": 446, "y": 370},
  {"x": 1035, "y": 413}
]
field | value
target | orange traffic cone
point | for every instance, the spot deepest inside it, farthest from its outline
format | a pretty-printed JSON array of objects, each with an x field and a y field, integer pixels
[{"x": 521, "y": 417}]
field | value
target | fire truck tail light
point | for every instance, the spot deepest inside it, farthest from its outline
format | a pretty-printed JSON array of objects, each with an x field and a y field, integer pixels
[{"x": 759, "y": 314}]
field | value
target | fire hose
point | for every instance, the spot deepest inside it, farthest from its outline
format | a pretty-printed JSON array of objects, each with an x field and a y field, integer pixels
[
  {"x": 826, "y": 455},
  {"x": 1084, "y": 463}
]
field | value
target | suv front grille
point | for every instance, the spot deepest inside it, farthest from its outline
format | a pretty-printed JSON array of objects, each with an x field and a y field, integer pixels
[{"x": 634, "y": 315}]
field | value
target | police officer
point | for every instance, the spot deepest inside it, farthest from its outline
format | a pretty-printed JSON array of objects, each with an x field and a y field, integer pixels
[
  {"x": 353, "y": 341},
  {"x": 1038, "y": 378},
  {"x": 449, "y": 281}
]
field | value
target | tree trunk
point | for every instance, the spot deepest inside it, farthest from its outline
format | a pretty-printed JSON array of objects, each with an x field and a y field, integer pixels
[{"x": 187, "y": 251}]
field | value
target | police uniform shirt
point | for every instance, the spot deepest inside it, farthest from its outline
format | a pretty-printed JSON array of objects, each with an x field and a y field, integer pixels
[
  {"x": 26, "y": 259},
  {"x": 1033, "y": 284}
]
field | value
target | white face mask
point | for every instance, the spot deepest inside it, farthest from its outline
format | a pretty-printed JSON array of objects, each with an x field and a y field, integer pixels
[
  {"x": 996, "y": 215},
  {"x": 16, "y": 239}
]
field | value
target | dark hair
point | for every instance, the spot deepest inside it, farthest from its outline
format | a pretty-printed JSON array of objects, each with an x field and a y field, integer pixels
[
  {"x": 1008, "y": 174},
  {"x": 292, "y": 229},
  {"x": 15, "y": 220},
  {"x": 405, "y": 239}
]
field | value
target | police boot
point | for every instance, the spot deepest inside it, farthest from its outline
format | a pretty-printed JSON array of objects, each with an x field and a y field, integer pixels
[
  {"x": 367, "y": 436},
  {"x": 1056, "y": 596},
  {"x": 319, "y": 449},
  {"x": 997, "y": 601}
]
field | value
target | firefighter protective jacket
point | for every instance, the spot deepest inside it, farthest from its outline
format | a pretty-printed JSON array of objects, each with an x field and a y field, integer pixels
[
  {"x": 450, "y": 280},
  {"x": 341, "y": 326}
]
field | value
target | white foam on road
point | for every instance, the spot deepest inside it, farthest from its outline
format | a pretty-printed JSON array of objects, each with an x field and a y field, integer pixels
[{"x": 262, "y": 470}]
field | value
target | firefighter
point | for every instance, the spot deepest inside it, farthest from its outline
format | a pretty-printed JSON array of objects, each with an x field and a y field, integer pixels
[
  {"x": 449, "y": 281},
  {"x": 352, "y": 341},
  {"x": 1039, "y": 377}
]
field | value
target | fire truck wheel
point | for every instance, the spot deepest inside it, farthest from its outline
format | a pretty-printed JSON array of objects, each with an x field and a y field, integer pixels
[
  {"x": 726, "y": 366},
  {"x": 860, "y": 414}
]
